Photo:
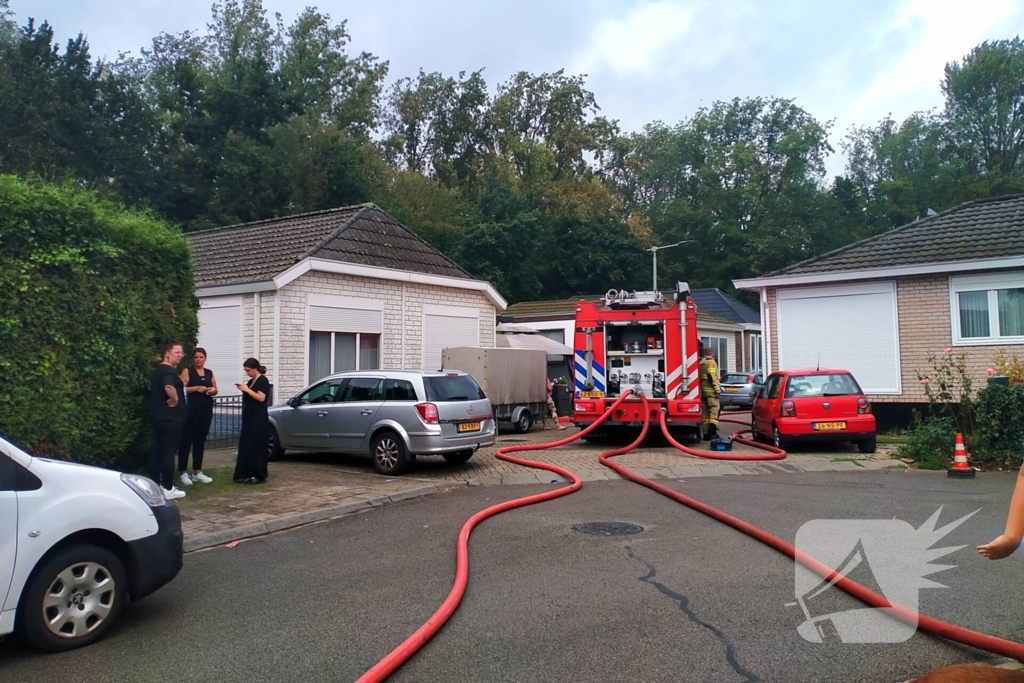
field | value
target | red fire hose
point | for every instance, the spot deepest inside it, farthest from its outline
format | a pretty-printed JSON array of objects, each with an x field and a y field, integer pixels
[{"x": 386, "y": 666}]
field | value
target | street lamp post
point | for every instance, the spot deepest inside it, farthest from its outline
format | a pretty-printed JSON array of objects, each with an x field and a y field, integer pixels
[{"x": 654, "y": 255}]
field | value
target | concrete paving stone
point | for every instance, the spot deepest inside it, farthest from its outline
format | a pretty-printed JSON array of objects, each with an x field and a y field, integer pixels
[
  {"x": 224, "y": 536},
  {"x": 522, "y": 478},
  {"x": 417, "y": 492},
  {"x": 603, "y": 474},
  {"x": 882, "y": 464},
  {"x": 718, "y": 470},
  {"x": 484, "y": 481},
  {"x": 827, "y": 466}
]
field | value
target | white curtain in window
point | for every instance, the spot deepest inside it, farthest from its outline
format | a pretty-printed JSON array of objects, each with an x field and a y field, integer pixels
[
  {"x": 973, "y": 314},
  {"x": 319, "y": 355},
  {"x": 1011, "y": 312},
  {"x": 344, "y": 352},
  {"x": 369, "y": 352}
]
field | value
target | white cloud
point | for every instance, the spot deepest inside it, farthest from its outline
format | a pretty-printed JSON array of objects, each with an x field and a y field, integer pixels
[
  {"x": 634, "y": 43},
  {"x": 936, "y": 33}
]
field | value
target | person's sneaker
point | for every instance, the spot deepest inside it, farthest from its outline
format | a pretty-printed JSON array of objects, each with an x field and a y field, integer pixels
[
  {"x": 202, "y": 478},
  {"x": 185, "y": 479},
  {"x": 174, "y": 493}
]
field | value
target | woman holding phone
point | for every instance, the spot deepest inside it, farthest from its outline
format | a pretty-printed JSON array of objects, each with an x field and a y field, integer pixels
[{"x": 251, "y": 466}]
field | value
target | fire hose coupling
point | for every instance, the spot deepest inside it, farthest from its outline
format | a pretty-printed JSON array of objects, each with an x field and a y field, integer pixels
[{"x": 638, "y": 390}]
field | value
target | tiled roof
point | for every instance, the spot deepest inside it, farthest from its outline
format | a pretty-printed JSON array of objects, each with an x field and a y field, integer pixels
[
  {"x": 524, "y": 310},
  {"x": 363, "y": 235},
  {"x": 984, "y": 229},
  {"x": 721, "y": 304}
]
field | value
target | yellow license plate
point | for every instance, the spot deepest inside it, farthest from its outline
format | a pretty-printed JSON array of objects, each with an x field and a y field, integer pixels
[
  {"x": 828, "y": 426},
  {"x": 469, "y": 427},
  {"x": 591, "y": 394},
  {"x": 732, "y": 389}
]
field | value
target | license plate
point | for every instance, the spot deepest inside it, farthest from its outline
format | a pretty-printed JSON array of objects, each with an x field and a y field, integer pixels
[
  {"x": 828, "y": 426},
  {"x": 469, "y": 426},
  {"x": 591, "y": 394},
  {"x": 732, "y": 389}
]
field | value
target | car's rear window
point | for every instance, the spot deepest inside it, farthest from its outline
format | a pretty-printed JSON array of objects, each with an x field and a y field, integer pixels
[
  {"x": 738, "y": 378},
  {"x": 839, "y": 384},
  {"x": 452, "y": 388}
]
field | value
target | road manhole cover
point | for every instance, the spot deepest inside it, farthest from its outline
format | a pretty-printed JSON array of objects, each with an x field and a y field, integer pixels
[{"x": 608, "y": 528}]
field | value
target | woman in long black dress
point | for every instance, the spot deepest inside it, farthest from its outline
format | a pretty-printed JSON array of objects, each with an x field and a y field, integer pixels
[{"x": 251, "y": 466}]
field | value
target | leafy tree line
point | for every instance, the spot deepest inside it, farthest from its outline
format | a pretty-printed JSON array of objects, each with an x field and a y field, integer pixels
[{"x": 526, "y": 184}]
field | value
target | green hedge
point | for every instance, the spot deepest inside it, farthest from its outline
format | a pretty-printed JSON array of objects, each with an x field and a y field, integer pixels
[
  {"x": 1000, "y": 424},
  {"x": 89, "y": 289}
]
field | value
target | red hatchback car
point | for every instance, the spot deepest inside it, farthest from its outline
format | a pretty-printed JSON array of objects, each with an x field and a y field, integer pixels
[{"x": 813, "y": 406}]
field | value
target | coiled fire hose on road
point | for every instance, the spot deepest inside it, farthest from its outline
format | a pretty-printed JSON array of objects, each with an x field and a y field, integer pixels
[
  {"x": 392, "y": 661},
  {"x": 386, "y": 666}
]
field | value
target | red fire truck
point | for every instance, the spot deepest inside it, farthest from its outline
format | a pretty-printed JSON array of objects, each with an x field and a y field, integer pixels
[{"x": 638, "y": 340}]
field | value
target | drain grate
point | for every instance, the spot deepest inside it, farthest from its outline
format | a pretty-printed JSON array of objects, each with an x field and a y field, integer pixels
[{"x": 608, "y": 528}]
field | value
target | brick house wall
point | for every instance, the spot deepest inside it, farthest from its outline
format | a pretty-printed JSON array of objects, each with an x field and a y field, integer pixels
[
  {"x": 924, "y": 328},
  {"x": 396, "y": 352}
]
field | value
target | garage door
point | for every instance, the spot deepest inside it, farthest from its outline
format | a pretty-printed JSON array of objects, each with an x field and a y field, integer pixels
[
  {"x": 851, "y": 326},
  {"x": 220, "y": 333},
  {"x": 444, "y": 327}
]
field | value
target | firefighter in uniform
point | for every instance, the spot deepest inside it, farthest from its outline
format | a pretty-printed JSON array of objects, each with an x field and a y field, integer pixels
[{"x": 709, "y": 392}]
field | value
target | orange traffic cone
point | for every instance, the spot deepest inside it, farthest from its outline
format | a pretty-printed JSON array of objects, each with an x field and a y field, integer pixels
[{"x": 960, "y": 467}]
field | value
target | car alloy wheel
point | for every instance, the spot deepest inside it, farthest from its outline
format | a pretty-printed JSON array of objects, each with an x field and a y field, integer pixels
[
  {"x": 387, "y": 454},
  {"x": 79, "y": 600}
]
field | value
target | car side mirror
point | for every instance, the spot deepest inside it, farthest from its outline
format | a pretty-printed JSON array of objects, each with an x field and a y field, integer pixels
[{"x": 294, "y": 401}]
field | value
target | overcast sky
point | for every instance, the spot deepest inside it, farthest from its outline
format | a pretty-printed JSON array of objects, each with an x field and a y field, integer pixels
[{"x": 848, "y": 61}]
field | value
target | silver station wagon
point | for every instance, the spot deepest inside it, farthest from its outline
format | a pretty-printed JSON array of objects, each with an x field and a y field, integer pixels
[{"x": 393, "y": 415}]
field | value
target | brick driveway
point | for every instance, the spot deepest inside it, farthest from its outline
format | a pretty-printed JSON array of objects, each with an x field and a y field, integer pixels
[{"x": 305, "y": 488}]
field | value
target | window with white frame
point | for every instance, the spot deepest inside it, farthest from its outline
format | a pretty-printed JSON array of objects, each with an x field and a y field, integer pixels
[
  {"x": 331, "y": 352},
  {"x": 988, "y": 309},
  {"x": 756, "y": 358},
  {"x": 721, "y": 347},
  {"x": 344, "y": 334}
]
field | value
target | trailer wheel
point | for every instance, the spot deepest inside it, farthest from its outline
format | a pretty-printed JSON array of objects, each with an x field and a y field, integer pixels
[{"x": 525, "y": 421}]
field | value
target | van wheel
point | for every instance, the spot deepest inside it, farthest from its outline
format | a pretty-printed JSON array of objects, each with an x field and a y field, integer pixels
[
  {"x": 867, "y": 445},
  {"x": 389, "y": 454},
  {"x": 73, "y": 598},
  {"x": 274, "y": 450},
  {"x": 458, "y": 457},
  {"x": 523, "y": 424}
]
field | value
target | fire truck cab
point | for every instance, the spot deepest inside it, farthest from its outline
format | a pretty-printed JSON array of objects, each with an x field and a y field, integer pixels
[{"x": 641, "y": 341}]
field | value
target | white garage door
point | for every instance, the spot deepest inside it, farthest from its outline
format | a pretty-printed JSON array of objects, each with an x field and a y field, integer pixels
[
  {"x": 851, "y": 326},
  {"x": 220, "y": 333},
  {"x": 444, "y": 327}
]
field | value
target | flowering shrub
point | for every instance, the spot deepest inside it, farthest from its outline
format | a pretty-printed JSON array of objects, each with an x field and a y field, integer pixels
[
  {"x": 1009, "y": 365},
  {"x": 948, "y": 386}
]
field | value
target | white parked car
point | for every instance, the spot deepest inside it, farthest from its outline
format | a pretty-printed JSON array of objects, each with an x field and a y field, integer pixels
[{"x": 76, "y": 544}]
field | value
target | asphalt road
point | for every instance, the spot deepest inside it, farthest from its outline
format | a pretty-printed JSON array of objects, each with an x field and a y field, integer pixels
[{"x": 684, "y": 600}]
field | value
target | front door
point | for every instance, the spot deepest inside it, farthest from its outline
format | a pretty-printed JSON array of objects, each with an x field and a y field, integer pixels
[
  {"x": 8, "y": 525},
  {"x": 353, "y": 413},
  {"x": 306, "y": 425}
]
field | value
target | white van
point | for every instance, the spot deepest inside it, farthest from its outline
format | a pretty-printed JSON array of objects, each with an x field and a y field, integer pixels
[{"x": 76, "y": 544}]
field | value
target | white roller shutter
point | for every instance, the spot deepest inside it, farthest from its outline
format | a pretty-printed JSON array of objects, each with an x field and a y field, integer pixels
[
  {"x": 220, "y": 333},
  {"x": 853, "y": 327},
  {"x": 332, "y": 319},
  {"x": 453, "y": 327}
]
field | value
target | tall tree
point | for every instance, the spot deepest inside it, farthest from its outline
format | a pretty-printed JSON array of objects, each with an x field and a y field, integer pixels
[{"x": 985, "y": 105}]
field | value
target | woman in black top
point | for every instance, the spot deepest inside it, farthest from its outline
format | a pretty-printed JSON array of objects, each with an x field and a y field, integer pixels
[
  {"x": 200, "y": 388},
  {"x": 251, "y": 466}
]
